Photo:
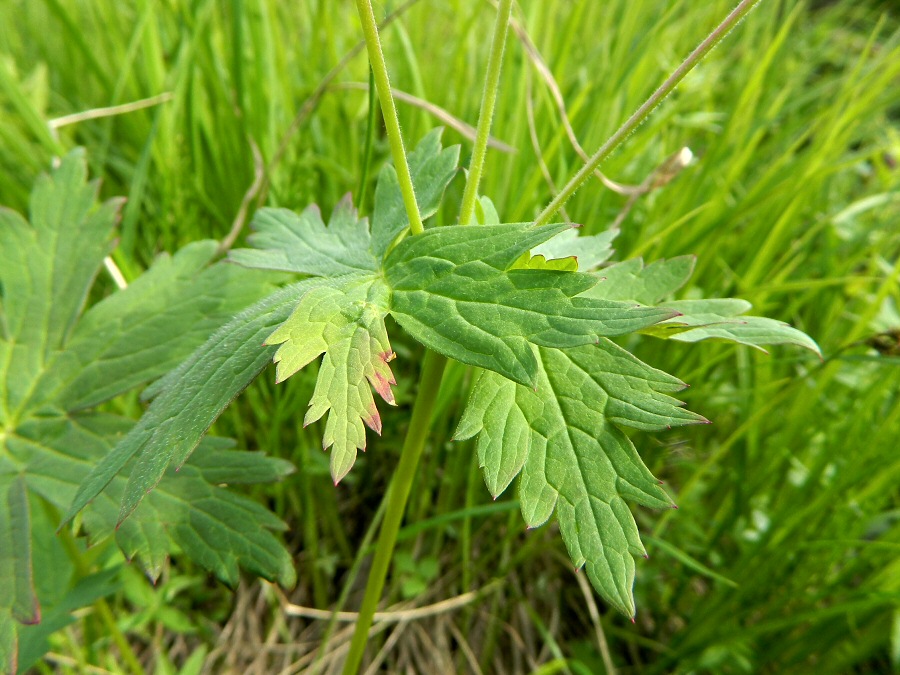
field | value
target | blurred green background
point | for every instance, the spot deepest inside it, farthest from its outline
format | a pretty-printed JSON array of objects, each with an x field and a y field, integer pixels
[{"x": 784, "y": 555}]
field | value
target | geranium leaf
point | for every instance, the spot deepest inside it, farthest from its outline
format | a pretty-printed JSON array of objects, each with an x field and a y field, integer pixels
[
  {"x": 62, "y": 450},
  {"x": 55, "y": 363},
  {"x": 632, "y": 280},
  {"x": 590, "y": 251},
  {"x": 453, "y": 289},
  {"x": 563, "y": 438},
  {"x": 431, "y": 169},
  {"x": 130, "y": 337},
  {"x": 340, "y": 318},
  {"x": 302, "y": 243},
  {"x": 709, "y": 319},
  {"x": 47, "y": 265},
  {"x": 17, "y": 597},
  {"x": 724, "y": 319},
  {"x": 345, "y": 322},
  {"x": 189, "y": 399}
]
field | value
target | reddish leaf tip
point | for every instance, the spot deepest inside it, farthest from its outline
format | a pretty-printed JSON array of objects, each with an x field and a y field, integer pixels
[{"x": 373, "y": 421}]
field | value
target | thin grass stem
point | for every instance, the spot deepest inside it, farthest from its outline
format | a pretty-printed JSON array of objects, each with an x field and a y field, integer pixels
[
  {"x": 644, "y": 111},
  {"x": 486, "y": 116}
]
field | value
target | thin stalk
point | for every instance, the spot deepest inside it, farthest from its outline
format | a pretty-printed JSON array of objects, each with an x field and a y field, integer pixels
[
  {"x": 429, "y": 384},
  {"x": 644, "y": 111},
  {"x": 486, "y": 116},
  {"x": 433, "y": 363},
  {"x": 350, "y": 580},
  {"x": 389, "y": 111},
  {"x": 432, "y": 368},
  {"x": 367, "y": 153}
]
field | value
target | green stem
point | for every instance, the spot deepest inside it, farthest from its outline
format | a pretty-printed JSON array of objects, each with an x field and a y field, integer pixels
[
  {"x": 644, "y": 111},
  {"x": 486, "y": 116},
  {"x": 350, "y": 580},
  {"x": 389, "y": 111},
  {"x": 429, "y": 384}
]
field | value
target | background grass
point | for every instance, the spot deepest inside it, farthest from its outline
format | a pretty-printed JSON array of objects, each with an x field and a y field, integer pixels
[{"x": 783, "y": 556}]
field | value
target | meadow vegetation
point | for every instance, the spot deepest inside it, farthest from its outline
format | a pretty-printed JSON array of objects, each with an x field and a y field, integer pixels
[{"x": 783, "y": 554}]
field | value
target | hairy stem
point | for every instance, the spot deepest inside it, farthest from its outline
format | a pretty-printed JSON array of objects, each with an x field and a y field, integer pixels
[
  {"x": 644, "y": 111},
  {"x": 429, "y": 384},
  {"x": 389, "y": 111},
  {"x": 486, "y": 116},
  {"x": 432, "y": 368}
]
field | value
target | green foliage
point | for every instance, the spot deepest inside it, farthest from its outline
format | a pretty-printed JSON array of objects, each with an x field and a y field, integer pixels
[
  {"x": 456, "y": 289},
  {"x": 715, "y": 318},
  {"x": 58, "y": 362},
  {"x": 346, "y": 323},
  {"x": 562, "y": 435},
  {"x": 791, "y": 204},
  {"x": 179, "y": 415},
  {"x": 563, "y": 432},
  {"x": 432, "y": 170},
  {"x": 551, "y": 404}
]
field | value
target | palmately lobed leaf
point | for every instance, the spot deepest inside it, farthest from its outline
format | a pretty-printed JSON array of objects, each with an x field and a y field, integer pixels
[
  {"x": 130, "y": 337},
  {"x": 48, "y": 264},
  {"x": 431, "y": 168},
  {"x": 724, "y": 319},
  {"x": 632, "y": 280},
  {"x": 61, "y": 451},
  {"x": 562, "y": 438},
  {"x": 344, "y": 321},
  {"x": 708, "y": 319},
  {"x": 454, "y": 290},
  {"x": 57, "y": 362},
  {"x": 303, "y": 244},
  {"x": 189, "y": 399}
]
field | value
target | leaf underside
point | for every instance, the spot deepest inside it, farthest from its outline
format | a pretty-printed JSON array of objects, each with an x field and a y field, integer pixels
[
  {"x": 563, "y": 439},
  {"x": 345, "y": 322},
  {"x": 562, "y": 435}
]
